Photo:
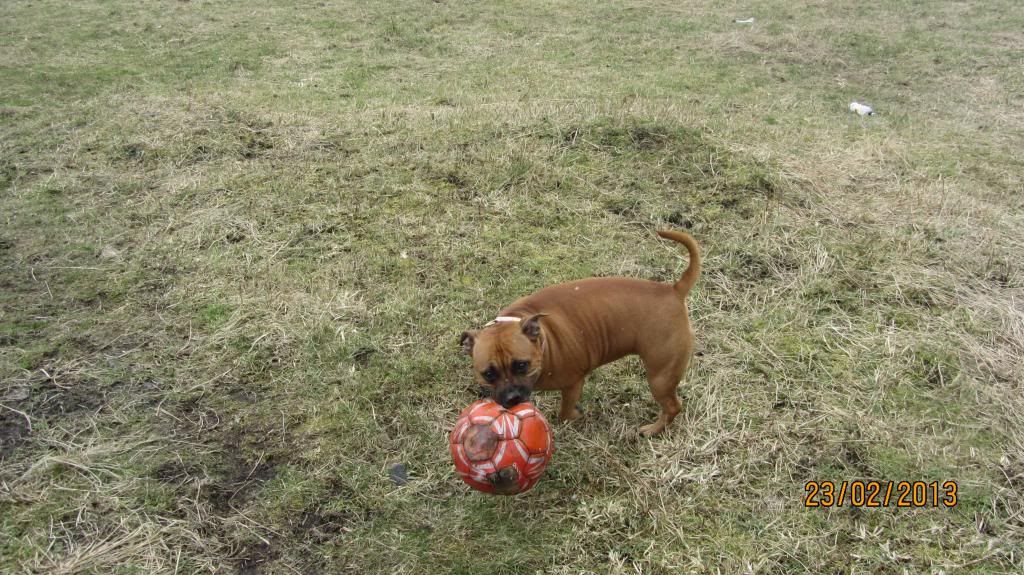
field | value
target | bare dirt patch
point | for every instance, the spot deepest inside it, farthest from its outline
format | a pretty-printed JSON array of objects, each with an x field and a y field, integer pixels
[
  {"x": 253, "y": 559},
  {"x": 14, "y": 429}
]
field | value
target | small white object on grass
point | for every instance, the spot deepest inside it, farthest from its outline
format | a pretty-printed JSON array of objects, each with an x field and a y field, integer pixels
[
  {"x": 862, "y": 109},
  {"x": 109, "y": 253},
  {"x": 747, "y": 21}
]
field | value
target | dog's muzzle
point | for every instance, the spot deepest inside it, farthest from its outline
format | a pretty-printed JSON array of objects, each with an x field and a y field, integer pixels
[{"x": 512, "y": 396}]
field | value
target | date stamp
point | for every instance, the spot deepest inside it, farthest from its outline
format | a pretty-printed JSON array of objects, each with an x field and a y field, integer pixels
[{"x": 915, "y": 494}]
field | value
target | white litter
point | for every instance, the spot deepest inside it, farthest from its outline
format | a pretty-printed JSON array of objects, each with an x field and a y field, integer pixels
[
  {"x": 109, "y": 253},
  {"x": 747, "y": 21},
  {"x": 862, "y": 109}
]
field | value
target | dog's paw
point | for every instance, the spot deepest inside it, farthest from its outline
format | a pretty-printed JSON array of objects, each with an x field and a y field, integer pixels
[{"x": 576, "y": 414}]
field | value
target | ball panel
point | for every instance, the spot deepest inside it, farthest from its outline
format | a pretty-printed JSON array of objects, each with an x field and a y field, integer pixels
[
  {"x": 524, "y": 410},
  {"x": 490, "y": 408},
  {"x": 479, "y": 483},
  {"x": 482, "y": 412},
  {"x": 459, "y": 433},
  {"x": 536, "y": 435},
  {"x": 535, "y": 466},
  {"x": 511, "y": 453},
  {"x": 506, "y": 426},
  {"x": 482, "y": 468},
  {"x": 524, "y": 452},
  {"x": 480, "y": 442}
]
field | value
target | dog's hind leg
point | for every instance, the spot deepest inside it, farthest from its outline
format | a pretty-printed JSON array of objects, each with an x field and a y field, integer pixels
[{"x": 664, "y": 378}]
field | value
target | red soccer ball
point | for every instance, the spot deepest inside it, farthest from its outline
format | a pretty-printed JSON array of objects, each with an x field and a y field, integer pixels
[{"x": 499, "y": 450}]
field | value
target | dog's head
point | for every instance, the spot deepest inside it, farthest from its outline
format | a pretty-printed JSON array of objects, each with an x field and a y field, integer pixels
[{"x": 507, "y": 356}]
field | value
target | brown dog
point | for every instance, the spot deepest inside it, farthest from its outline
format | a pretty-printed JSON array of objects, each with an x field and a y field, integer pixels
[{"x": 553, "y": 338}]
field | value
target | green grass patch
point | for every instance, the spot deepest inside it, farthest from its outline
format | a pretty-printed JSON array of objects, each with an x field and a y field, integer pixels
[{"x": 239, "y": 246}]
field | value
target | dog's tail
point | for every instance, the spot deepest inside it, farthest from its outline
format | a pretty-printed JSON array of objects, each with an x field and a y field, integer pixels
[{"x": 692, "y": 272}]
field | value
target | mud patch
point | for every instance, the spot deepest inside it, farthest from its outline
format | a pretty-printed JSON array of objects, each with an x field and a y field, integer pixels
[
  {"x": 758, "y": 266},
  {"x": 253, "y": 559},
  {"x": 77, "y": 396},
  {"x": 254, "y": 143},
  {"x": 625, "y": 207},
  {"x": 135, "y": 152},
  {"x": 239, "y": 485},
  {"x": 234, "y": 461},
  {"x": 253, "y": 134},
  {"x": 176, "y": 472},
  {"x": 853, "y": 457},
  {"x": 629, "y": 136},
  {"x": 363, "y": 354},
  {"x": 13, "y": 432},
  {"x": 200, "y": 418},
  {"x": 336, "y": 512},
  {"x": 459, "y": 185},
  {"x": 319, "y": 526},
  {"x": 677, "y": 218}
]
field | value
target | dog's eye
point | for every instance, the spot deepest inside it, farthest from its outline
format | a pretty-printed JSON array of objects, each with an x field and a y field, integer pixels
[
  {"x": 491, "y": 374},
  {"x": 520, "y": 367}
]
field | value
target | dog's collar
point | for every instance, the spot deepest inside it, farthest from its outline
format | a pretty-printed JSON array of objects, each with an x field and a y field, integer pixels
[{"x": 502, "y": 319}]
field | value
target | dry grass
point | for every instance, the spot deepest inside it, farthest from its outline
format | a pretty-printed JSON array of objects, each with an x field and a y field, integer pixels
[{"x": 239, "y": 244}]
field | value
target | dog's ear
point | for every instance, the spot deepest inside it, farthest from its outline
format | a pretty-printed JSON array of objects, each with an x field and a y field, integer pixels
[
  {"x": 468, "y": 339},
  {"x": 531, "y": 326}
]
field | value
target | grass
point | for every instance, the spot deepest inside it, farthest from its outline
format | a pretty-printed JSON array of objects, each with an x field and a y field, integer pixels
[{"x": 240, "y": 242}]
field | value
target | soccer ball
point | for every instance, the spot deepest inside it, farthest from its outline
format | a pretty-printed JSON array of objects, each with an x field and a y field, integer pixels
[{"x": 499, "y": 450}]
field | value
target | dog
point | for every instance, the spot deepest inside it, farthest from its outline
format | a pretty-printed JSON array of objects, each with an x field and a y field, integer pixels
[{"x": 553, "y": 338}]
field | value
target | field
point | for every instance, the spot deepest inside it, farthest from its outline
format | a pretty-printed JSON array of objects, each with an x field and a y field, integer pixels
[{"x": 239, "y": 242}]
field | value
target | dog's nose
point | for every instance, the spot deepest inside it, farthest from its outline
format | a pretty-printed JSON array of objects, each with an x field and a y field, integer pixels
[{"x": 511, "y": 397}]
